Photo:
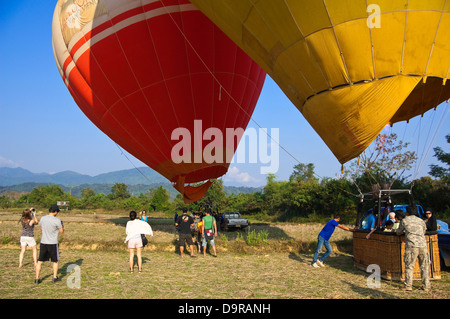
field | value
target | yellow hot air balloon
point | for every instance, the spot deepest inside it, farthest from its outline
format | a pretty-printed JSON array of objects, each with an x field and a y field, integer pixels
[{"x": 350, "y": 66}]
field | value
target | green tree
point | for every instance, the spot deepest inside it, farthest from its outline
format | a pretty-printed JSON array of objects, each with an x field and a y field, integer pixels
[
  {"x": 215, "y": 197},
  {"x": 303, "y": 173},
  {"x": 441, "y": 172},
  {"x": 433, "y": 193},
  {"x": 178, "y": 203},
  {"x": 87, "y": 193},
  {"x": 336, "y": 196},
  {"x": 119, "y": 191},
  {"x": 273, "y": 195},
  {"x": 160, "y": 199},
  {"x": 5, "y": 202},
  {"x": 45, "y": 196}
]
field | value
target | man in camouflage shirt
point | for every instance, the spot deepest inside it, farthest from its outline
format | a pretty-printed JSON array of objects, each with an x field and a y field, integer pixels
[{"x": 415, "y": 247}]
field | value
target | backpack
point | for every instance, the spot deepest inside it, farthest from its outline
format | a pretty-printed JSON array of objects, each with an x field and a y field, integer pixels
[
  {"x": 144, "y": 240},
  {"x": 209, "y": 234},
  {"x": 195, "y": 225}
]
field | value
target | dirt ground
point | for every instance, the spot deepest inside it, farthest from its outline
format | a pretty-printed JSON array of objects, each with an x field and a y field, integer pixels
[{"x": 94, "y": 265}]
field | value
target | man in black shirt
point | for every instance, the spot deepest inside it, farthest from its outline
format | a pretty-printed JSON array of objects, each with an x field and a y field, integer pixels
[
  {"x": 430, "y": 220},
  {"x": 184, "y": 224}
]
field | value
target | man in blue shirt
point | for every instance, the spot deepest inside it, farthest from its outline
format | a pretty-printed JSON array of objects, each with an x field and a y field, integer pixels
[
  {"x": 324, "y": 240},
  {"x": 370, "y": 222}
]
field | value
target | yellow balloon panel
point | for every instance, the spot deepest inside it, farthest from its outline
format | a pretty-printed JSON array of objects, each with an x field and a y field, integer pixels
[
  {"x": 277, "y": 19},
  {"x": 419, "y": 41},
  {"x": 387, "y": 6},
  {"x": 441, "y": 50},
  {"x": 358, "y": 59},
  {"x": 328, "y": 56},
  {"x": 426, "y": 5},
  {"x": 342, "y": 11},
  {"x": 392, "y": 32},
  {"x": 301, "y": 13},
  {"x": 334, "y": 59},
  {"x": 349, "y": 113},
  {"x": 303, "y": 58}
]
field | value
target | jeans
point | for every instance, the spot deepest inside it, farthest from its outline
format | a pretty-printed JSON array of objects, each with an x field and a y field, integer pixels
[
  {"x": 204, "y": 241},
  {"x": 322, "y": 242}
]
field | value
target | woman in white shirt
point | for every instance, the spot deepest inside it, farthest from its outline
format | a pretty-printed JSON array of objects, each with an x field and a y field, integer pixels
[{"x": 134, "y": 229}]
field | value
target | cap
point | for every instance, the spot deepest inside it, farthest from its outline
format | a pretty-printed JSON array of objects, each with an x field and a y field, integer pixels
[{"x": 53, "y": 208}]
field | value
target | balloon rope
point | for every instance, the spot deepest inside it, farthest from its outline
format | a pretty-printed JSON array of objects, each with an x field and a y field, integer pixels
[
  {"x": 439, "y": 128},
  {"x": 132, "y": 163},
  {"x": 422, "y": 160}
]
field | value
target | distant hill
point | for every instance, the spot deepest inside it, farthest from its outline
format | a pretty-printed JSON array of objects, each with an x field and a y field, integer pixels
[
  {"x": 138, "y": 181},
  {"x": 15, "y": 176}
]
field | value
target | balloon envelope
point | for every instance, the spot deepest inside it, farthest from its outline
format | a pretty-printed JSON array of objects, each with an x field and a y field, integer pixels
[
  {"x": 350, "y": 66},
  {"x": 144, "y": 70}
]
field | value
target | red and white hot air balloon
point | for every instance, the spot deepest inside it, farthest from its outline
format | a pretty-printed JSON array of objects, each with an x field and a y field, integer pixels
[{"x": 142, "y": 70}]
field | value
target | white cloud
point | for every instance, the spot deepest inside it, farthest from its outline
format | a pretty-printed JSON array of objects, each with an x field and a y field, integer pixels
[
  {"x": 4, "y": 162},
  {"x": 234, "y": 175}
]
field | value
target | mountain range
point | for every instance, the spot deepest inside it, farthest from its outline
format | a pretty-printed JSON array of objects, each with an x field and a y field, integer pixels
[
  {"x": 139, "y": 180},
  {"x": 143, "y": 175}
]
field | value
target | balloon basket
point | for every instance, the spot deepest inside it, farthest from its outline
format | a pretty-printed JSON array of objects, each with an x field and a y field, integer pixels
[{"x": 387, "y": 250}]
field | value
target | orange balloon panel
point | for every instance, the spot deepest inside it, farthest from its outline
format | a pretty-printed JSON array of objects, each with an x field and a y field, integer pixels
[{"x": 142, "y": 71}]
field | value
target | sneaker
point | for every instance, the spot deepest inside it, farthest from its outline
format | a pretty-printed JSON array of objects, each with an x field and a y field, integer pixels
[
  {"x": 55, "y": 279},
  {"x": 426, "y": 289},
  {"x": 315, "y": 265},
  {"x": 37, "y": 281},
  {"x": 320, "y": 263},
  {"x": 408, "y": 288}
]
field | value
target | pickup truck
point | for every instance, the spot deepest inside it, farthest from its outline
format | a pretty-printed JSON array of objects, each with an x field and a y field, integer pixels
[{"x": 233, "y": 220}]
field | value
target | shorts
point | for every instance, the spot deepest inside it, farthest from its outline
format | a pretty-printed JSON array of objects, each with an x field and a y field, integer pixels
[
  {"x": 135, "y": 243},
  {"x": 49, "y": 251},
  {"x": 27, "y": 241},
  {"x": 204, "y": 242},
  {"x": 185, "y": 238},
  {"x": 196, "y": 236}
]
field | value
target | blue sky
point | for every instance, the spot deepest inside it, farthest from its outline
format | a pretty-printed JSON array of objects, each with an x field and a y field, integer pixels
[{"x": 43, "y": 130}]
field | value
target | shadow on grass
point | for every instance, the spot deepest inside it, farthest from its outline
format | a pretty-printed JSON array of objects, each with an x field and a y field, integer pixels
[
  {"x": 63, "y": 271},
  {"x": 367, "y": 292},
  {"x": 120, "y": 221},
  {"x": 345, "y": 263},
  {"x": 335, "y": 260},
  {"x": 159, "y": 224},
  {"x": 299, "y": 258}
]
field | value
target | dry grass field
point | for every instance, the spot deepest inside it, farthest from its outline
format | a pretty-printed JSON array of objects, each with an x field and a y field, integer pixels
[{"x": 271, "y": 261}]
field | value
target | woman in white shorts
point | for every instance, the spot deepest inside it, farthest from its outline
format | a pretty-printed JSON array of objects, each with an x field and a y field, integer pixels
[
  {"x": 28, "y": 222},
  {"x": 134, "y": 229}
]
